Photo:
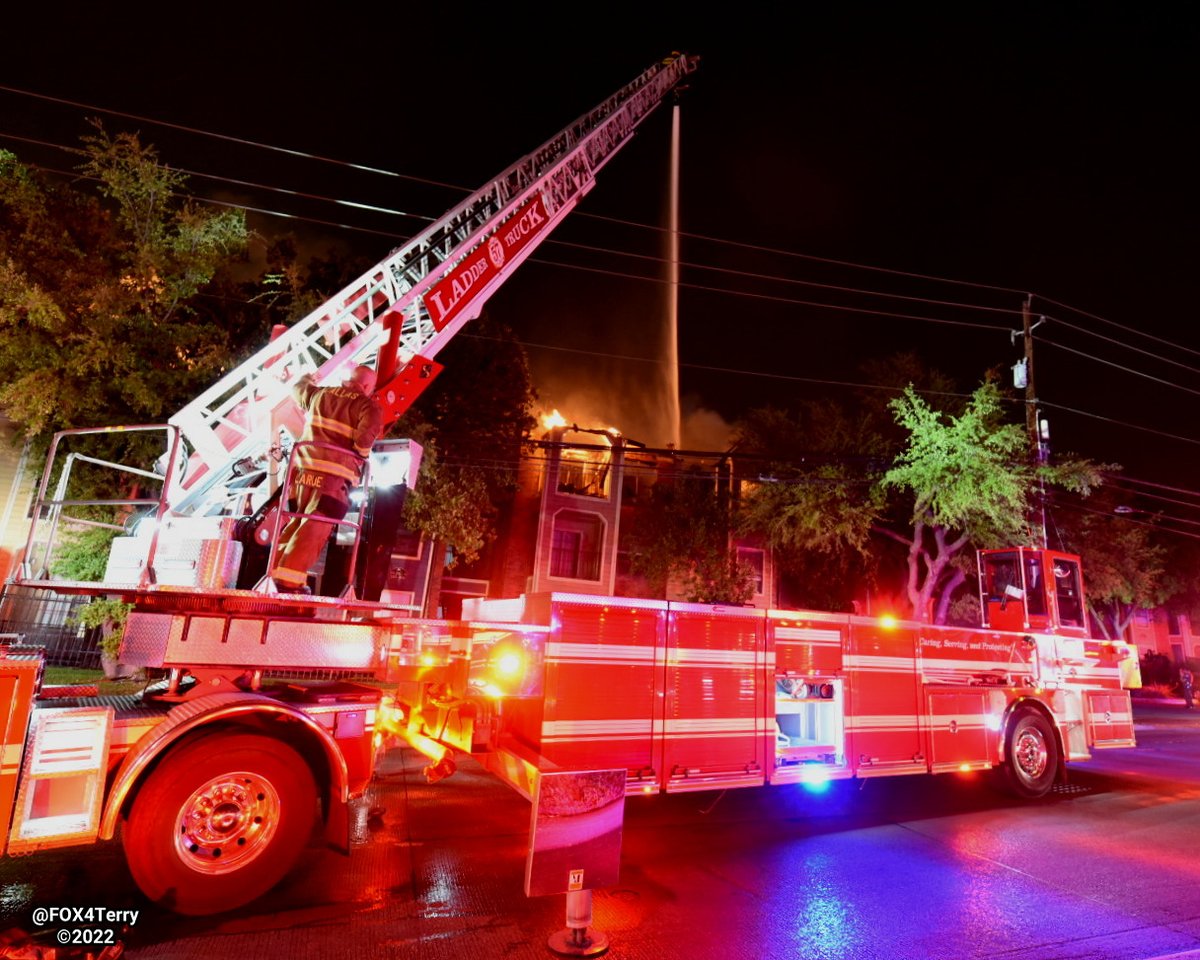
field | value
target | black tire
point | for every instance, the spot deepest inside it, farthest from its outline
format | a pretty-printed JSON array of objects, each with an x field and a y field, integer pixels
[
  {"x": 219, "y": 822},
  {"x": 1030, "y": 756}
]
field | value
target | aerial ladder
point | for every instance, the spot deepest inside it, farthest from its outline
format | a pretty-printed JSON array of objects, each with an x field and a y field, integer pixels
[
  {"x": 225, "y": 446},
  {"x": 401, "y": 313}
]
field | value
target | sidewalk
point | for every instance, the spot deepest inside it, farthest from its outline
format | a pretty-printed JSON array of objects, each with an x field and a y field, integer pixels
[{"x": 1160, "y": 707}]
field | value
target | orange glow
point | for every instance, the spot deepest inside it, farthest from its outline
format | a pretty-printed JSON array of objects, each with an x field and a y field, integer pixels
[
  {"x": 554, "y": 420},
  {"x": 888, "y": 622},
  {"x": 509, "y": 664}
]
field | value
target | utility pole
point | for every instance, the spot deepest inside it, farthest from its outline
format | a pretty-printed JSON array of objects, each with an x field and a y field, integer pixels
[
  {"x": 1040, "y": 442},
  {"x": 1031, "y": 417}
]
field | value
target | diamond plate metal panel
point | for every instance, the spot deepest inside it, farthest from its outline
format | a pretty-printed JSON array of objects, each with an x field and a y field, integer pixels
[
  {"x": 247, "y": 633},
  {"x": 147, "y": 636},
  {"x": 358, "y": 646},
  {"x": 257, "y": 642}
]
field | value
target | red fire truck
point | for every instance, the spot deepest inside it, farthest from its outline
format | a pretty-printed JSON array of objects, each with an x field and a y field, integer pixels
[
  {"x": 217, "y": 773},
  {"x": 694, "y": 697}
]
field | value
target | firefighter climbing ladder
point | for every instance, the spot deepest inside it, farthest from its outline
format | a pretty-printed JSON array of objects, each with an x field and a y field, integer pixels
[{"x": 406, "y": 308}]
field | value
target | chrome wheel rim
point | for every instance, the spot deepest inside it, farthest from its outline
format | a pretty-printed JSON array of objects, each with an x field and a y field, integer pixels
[
  {"x": 227, "y": 822},
  {"x": 1031, "y": 753}
]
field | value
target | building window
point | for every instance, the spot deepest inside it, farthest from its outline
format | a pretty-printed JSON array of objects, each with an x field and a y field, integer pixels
[
  {"x": 1173, "y": 624},
  {"x": 576, "y": 544},
  {"x": 584, "y": 473},
  {"x": 408, "y": 545},
  {"x": 637, "y": 480},
  {"x": 756, "y": 561}
]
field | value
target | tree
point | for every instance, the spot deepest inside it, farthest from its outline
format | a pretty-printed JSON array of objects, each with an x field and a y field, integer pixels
[
  {"x": 817, "y": 500},
  {"x": 99, "y": 316},
  {"x": 971, "y": 482},
  {"x": 97, "y": 293},
  {"x": 471, "y": 422},
  {"x": 1125, "y": 565},
  {"x": 682, "y": 536},
  {"x": 932, "y": 479},
  {"x": 809, "y": 492}
]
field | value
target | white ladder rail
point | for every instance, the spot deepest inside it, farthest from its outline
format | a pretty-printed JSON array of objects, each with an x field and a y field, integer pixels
[{"x": 237, "y": 417}]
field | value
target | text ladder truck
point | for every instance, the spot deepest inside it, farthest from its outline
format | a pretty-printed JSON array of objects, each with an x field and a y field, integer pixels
[{"x": 217, "y": 774}]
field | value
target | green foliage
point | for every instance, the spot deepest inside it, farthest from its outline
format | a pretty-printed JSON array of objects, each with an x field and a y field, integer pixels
[
  {"x": 98, "y": 323},
  {"x": 935, "y": 480},
  {"x": 683, "y": 536},
  {"x": 971, "y": 481},
  {"x": 957, "y": 467},
  {"x": 808, "y": 490},
  {"x": 450, "y": 504},
  {"x": 971, "y": 472},
  {"x": 109, "y": 615},
  {"x": 295, "y": 283},
  {"x": 472, "y": 422},
  {"x": 83, "y": 554},
  {"x": 714, "y": 578},
  {"x": 814, "y": 492},
  {"x": 1125, "y": 565}
]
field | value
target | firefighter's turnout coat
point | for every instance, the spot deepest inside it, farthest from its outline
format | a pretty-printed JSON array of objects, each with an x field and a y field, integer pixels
[{"x": 341, "y": 426}]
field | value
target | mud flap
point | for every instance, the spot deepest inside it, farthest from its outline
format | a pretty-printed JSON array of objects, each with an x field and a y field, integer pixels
[{"x": 337, "y": 827}]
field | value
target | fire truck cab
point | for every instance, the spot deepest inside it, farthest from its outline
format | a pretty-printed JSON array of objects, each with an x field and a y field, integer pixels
[{"x": 1032, "y": 589}]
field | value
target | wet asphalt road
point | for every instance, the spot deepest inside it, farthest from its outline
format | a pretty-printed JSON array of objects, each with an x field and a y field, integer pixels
[{"x": 1108, "y": 867}]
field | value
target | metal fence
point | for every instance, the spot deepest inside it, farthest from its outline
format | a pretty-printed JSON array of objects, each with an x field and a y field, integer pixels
[{"x": 40, "y": 618}]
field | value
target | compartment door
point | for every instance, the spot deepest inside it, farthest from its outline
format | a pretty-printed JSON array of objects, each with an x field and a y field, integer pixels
[
  {"x": 713, "y": 728},
  {"x": 958, "y": 735},
  {"x": 1109, "y": 718}
]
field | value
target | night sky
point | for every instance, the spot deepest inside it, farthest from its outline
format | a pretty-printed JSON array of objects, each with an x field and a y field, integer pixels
[{"x": 1013, "y": 151}]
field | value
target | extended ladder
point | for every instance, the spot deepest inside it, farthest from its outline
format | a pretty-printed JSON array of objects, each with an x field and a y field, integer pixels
[{"x": 405, "y": 309}]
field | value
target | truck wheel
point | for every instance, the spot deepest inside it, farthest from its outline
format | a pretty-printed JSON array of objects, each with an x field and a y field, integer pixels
[
  {"x": 1030, "y": 756},
  {"x": 219, "y": 822}
]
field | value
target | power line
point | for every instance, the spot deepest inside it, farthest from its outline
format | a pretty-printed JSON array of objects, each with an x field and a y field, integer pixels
[
  {"x": 1110, "y": 363},
  {"x": 1141, "y": 494},
  {"x": 1162, "y": 486},
  {"x": 307, "y": 155},
  {"x": 816, "y": 259},
  {"x": 712, "y": 368},
  {"x": 1079, "y": 508},
  {"x": 704, "y": 367},
  {"x": 556, "y": 242},
  {"x": 239, "y": 206},
  {"x": 1121, "y": 326},
  {"x": 225, "y": 137},
  {"x": 1123, "y": 344},
  {"x": 839, "y": 307},
  {"x": 627, "y": 276},
  {"x": 791, "y": 378},
  {"x": 1121, "y": 423},
  {"x": 748, "y": 246},
  {"x": 778, "y": 299},
  {"x": 287, "y": 191},
  {"x": 790, "y": 280}
]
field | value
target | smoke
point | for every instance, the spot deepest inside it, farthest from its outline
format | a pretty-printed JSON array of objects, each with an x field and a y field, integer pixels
[
  {"x": 704, "y": 429},
  {"x": 606, "y": 395}
]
